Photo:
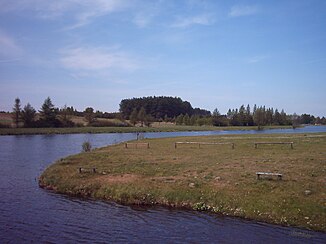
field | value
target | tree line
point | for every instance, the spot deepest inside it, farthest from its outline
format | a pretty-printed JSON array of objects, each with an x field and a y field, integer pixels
[
  {"x": 174, "y": 109},
  {"x": 149, "y": 109},
  {"x": 245, "y": 116}
]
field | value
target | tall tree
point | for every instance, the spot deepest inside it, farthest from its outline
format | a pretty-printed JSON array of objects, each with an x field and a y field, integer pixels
[
  {"x": 277, "y": 118},
  {"x": 242, "y": 116},
  {"x": 249, "y": 118},
  {"x": 284, "y": 120},
  {"x": 28, "y": 115},
  {"x": 48, "y": 113},
  {"x": 17, "y": 112},
  {"x": 259, "y": 117}
]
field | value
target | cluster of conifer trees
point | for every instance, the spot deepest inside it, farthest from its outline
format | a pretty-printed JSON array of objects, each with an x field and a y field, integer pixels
[
  {"x": 51, "y": 116},
  {"x": 48, "y": 116}
]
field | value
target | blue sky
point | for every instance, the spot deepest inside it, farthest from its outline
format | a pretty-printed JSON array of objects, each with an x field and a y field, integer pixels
[{"x": 215, "y": 54}]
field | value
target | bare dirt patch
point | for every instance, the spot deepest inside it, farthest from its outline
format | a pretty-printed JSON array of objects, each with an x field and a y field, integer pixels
[{"x": 124, "y": 178}]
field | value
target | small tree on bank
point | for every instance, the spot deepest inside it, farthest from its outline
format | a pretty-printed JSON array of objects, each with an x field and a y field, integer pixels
[
  {"x": 134, "y": 117},
  {"x": 89, "y": 115},
  {"x": 186, "y": 120},
  {"x": 142, "y": 116},
  {"x": 65, "y": 117},
  {"x": 179, "y": 120},
  {"x": 86, "y": 147}
]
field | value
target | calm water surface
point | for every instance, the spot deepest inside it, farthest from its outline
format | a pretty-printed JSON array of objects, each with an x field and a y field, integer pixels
[{"x": 30, "y": 214}]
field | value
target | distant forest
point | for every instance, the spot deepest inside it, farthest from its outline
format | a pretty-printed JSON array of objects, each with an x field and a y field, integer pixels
[
  {"x": 174, "y": 109},
  {"x": 146, "y": 110},
  {"x": 160, "y": 107}
]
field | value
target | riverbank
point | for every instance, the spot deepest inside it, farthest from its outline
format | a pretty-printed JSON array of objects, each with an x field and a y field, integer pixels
[
  {"x": 213, "y": 178},
  {"x": 94, "y": 130}
]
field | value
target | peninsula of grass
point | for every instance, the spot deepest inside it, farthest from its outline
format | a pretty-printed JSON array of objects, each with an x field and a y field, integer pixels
[
  {"x": 96, "y": 130},
  {"x": 212, "y": 177}
]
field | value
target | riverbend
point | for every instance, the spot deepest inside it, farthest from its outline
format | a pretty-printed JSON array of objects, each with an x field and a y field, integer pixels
[
  {"x": 31, "y": 214},
  {"x": 213, "y": 173}
]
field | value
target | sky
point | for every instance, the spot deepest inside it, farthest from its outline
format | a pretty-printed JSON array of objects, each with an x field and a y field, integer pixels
[{"x": 214, "y": 54}]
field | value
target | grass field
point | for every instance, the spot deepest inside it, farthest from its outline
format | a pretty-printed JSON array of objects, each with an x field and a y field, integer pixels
[{"x": 213, "y": 178}]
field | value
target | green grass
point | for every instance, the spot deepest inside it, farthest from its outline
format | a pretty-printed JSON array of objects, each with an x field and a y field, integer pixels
[
  {"x": 80, "y": 130},
  {"x": 213, "y": 178}
]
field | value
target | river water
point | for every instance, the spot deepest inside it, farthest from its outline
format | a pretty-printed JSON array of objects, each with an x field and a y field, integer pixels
[{"x": 31, "y": 214}]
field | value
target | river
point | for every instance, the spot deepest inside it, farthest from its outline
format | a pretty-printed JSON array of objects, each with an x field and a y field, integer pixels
[{"x": 31, "y": 214}]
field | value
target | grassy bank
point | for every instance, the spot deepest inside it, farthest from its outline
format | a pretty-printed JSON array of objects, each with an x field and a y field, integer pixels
[
  {"x": 80, "y": 130},
  {"x": 214, "y": 178}
]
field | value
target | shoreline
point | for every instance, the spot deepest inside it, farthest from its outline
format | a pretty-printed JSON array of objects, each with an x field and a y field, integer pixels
[
  {"x": 176, "y": 207},
  {"x": 99, "y": 130},
  {"x": 195, "y": 187}
]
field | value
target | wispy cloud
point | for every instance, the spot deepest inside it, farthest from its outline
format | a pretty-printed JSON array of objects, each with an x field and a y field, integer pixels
[
  {"x": 203, "y": 19},
  {"x": 314, "y": 61},
  {"x": 145, "y": 14},
  {"x": 256, "y": 59},
  {"x": 9, "y": 49},
  {"x": 143, "y": 19},
  {"x": 243, "y": 10},
  {"x": 97, "y": 59},
  {"x": 96, "y": 8},
  {"x": 81, "y": 11}
]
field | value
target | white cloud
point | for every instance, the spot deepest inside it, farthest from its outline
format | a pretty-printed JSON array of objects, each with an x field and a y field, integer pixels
[
  {"x": 243, "y": 10},
  {"x": 183, "y": 22},
  {"x": 97, "y": 59},
  {"x": 8, "y": 47}
]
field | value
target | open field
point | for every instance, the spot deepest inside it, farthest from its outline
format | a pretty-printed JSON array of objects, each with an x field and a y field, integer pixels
[
  {"x": 213, "y": 177},
  {"x": 6, "y": 119}
]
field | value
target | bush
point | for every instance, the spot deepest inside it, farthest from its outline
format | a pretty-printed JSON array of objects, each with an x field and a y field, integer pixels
[
  {"x": 86, "y": 147},
  {"x": 101, "y": 123},
  {"x": 42, "y": 123},
  {"x": 3, "y": 125}
]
